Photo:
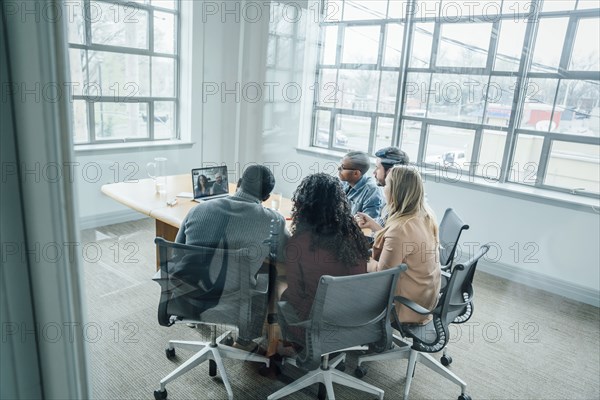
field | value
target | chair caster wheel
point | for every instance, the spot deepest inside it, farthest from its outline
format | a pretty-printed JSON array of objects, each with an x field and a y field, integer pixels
[
  {"x": 341, "y": 366},
  {"x": 446, "y": 360},
  {"x": 212, "y": 368},
  {"x": 360, "y": 372},
  {"x": 464, "y": 396},
  {"x": 228, "y": 341},
  {"x": 160, "y": 394},
  {"x": 170, "y": 353}
]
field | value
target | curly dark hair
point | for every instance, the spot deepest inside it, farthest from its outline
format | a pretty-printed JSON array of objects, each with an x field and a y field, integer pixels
[{"x": 321, "y": 209}]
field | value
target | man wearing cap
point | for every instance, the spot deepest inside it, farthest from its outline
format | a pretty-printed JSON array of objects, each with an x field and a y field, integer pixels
[
  {"x": 386, "y": 159},
  {"x": 363, "y": 193}
]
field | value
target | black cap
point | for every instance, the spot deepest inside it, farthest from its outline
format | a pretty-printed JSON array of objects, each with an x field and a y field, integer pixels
[{"x": 391, "y": 156}]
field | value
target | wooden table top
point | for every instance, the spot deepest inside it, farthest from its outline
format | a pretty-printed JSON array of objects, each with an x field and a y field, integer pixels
[{"x": 141, "y": 196}]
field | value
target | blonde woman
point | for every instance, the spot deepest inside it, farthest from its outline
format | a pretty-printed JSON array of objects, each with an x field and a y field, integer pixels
[{"x": 410, "y": 236}]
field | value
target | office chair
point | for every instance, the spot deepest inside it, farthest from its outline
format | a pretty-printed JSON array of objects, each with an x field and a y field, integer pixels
[
  {"x": 432, "y": 337},
  {"x": 212, "y": 286},
  {"x": 450, "y": 230},
  {"x": 340, "y": 319}
]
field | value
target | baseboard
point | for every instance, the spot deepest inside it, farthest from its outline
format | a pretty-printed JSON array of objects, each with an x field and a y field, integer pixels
[
  {"x": 543, "y": 282},
  {"x": 115, "y": 217}
]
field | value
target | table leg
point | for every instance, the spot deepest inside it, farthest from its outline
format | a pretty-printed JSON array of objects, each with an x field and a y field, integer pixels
[{"x": 167, "y": 232}]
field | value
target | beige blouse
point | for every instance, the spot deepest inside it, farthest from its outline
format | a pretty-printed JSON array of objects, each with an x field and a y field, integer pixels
[{"x": 411, "y": 241}]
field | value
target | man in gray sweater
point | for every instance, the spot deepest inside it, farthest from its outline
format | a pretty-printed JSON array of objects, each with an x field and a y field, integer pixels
[{"x": 240, "y": 218}]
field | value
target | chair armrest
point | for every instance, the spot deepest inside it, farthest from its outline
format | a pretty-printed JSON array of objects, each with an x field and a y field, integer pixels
[
  {"x": 289, "y": 316},
  {"x": 412, "y": 305}
]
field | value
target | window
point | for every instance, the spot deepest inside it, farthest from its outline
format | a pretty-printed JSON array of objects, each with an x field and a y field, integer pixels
[
  {"x": 507, "y": 91},
  {"x": 124, "y": 70}
]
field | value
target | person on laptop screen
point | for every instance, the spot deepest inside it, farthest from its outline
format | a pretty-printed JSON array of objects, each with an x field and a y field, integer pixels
[
  {"x": 202, "y": 186},
  {"x": 220, "y": 185}
]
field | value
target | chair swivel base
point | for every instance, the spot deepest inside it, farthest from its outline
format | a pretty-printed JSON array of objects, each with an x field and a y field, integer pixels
[
  {"x": 414, "y": 356},
  {"x": 206, "y": 351},
  {"x": 327, "y": 377}
]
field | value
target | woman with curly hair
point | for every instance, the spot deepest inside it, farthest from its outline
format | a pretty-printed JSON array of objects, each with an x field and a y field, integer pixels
[
  {"x": 410, "y": 236},
  {"x": 325, "y": 240}
]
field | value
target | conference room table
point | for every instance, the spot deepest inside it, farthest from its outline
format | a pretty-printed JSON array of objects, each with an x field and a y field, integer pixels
[{"x": 141, "y": 196}]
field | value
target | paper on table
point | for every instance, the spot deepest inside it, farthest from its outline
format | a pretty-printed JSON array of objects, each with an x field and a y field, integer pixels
[{"x": 186, "y": 194}]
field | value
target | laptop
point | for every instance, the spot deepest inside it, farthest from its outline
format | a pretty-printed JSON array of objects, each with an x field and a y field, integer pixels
[{"x": 210, "y": 183}]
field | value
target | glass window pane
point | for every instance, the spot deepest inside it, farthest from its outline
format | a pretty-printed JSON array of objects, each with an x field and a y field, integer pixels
[
  {"x": 330, "y": 44},
  {"x": 385, "y": 128},
  {"x": 425, "y": 9},
  {"x": 526, "y": 159},
  {"x": 352, "y": 132},
  {"x": 449, "y": 147},
  {"x": 78, "y": 74},
  {"x": 586, "y": 4},
  {"x": 121, "y": 120},
  {"x": 457, "y": 97},
  {"x": 164, "y": 119},
  {"x": 332, "y": 12},
  {"x": 417, "y": 90},
  {"x": 577, "y": 109},
  {"x": 388, "y": 92},
  {"x": 452, "y": 9},
  {"x": 539, "y": 100},
  {"x": 359, "y": 10},
  {"x": 585, "y": 55},
  {"x": 75, "y": 24},
  {"x": 510, "y": 44},
  {"x": 284, "y": 52},
  {"x": 558, "y": 5},
  {"x": 80, "y": 122},
  {"x": 490, "y": 154},
  {"x": 574, "y": 166},
  {"x": 329, "y": 91},
  {"x": 464, "y": 45},
  {"x": 119, "y": 25},
  {"x": 323, "y": 118},
  {"x": 358, "y": 89},
  {"x": 164, "y": 32},
  {"x": 361, "y": 45},
  {"x": 411, "y": 136},
  {"x": 549, "y": 44},
  {"x": 393, "y": 45},
  {"x": 163, "y": 77},
  {"x": 170, "y": 4},
  {"x": 397, "y": 9},
  {"x": 119, "y": 75},
  {"x": 500, "y": 95},
  {"x": 421, "y": 49},
  {"x": 271, "y": 50}
]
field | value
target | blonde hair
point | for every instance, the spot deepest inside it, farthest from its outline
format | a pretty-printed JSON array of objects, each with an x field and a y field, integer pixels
[{"x": 407, "y": 198}]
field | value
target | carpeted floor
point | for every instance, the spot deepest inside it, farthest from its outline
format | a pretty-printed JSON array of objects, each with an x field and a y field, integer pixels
[{"x": 521, "y": 343}]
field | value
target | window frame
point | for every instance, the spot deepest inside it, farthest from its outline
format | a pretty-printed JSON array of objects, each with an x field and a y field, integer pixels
[
  {"x": 149, "y": 100},
  {"x": 524, "y": 73}
]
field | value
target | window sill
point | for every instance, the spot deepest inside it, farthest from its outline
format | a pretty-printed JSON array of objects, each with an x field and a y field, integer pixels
[
  {"x": 558, "y": 199},
  {"x": 111, "y": 147}
]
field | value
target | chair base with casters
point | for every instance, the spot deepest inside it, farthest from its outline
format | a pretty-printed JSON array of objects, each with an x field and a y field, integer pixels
[
  {"x": 327, "y": 375},
  {"x": 212, "y": 351},
  {"x": 413, "y": 356}
]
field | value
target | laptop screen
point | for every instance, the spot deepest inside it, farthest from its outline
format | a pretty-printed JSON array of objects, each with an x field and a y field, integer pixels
[{"x": 211, "y": 181}]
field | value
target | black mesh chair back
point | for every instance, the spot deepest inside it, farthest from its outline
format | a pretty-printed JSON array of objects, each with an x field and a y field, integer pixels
[
  {"x": 454, "y": 301},
  {"x": 214, "y": 285},
  {"x": 450, "y": 230},
  {"x": 347, "y": 311}
]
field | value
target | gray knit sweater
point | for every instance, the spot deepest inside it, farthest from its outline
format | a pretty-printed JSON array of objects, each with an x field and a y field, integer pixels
[{"x": 240, "y": 217}]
